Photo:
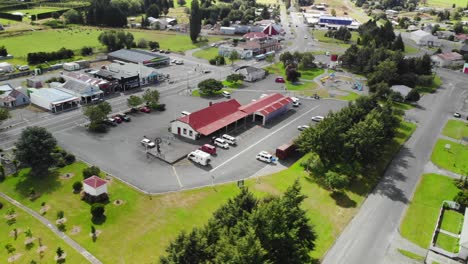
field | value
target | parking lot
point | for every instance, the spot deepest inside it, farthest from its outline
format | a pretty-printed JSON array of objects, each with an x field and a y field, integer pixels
[{"x": 120, "y": 153}]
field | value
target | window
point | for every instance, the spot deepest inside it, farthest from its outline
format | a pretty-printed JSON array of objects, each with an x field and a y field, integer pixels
[
  {"x": 185, "y": 131},
  {"x": 24, "y": 100},
  {"x": 190, "y": 133}
]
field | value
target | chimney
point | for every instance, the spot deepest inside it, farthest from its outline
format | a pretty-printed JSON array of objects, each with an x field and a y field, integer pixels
[{"x": 211, "y": 103}]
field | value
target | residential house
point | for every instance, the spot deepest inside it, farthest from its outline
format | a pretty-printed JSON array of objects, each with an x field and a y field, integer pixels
[
  {"x": 87, "y": 92},
  {"x": 13, "y": 98},
  {"x": 53, "y": 99},
  {"x": 424, "y": 38},
  {"x": 448, "y": 59},
  {"x": 251, "y": 74},
  {"x": 443, "y": 34},
  {"x": 461, "y": 37}
]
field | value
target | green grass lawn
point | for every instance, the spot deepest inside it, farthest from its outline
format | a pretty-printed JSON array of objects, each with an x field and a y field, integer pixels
[
  {"x": 446, "y": 4},
  {"x": 411, "y": 255},
  {"x": 141, "y": 227},
  {"x": 233, "y": 85},
  {"x": 410, "y": 49},
  {"x": 447, "y": 242},
  {"x": 179, "y": 13},
  {"x": 278, "y": 69},
  {"x": 350, "y": 97},
  {"x": 452, "y": 221},
  {"x": 38, "y": 230},
  {"x": 421, "y": 216},
  {"x": 455, "y": 129},
  {"x": 320, "y": 36},
  {"x": 430, "y": 89},
  {"x": 453, "y": 159},
  {"x": 77, "y": 37}
]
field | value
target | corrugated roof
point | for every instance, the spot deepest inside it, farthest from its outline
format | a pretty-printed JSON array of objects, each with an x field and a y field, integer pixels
[
  {"x": 54, "y": 95},
  {"x": 94, "y": 181},
  {"x": 275, "y": 106},
  {"x": 450, "y": 56},
  {"x": 261, "y": 103},
  {"x": 214, "y": 117},
  {"x": 136, "y": 55}
]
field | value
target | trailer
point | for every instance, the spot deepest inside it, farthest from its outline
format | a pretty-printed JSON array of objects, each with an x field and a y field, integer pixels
[{"x": 285, "y": 151}]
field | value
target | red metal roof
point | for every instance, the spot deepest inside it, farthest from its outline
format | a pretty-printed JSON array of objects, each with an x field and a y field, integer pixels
[
  {"x": 270, "y": 30},
  {"x": 261, "y": 103},
  {"x": 275, "y": 106},
  {"x": 94, "y": 181},
  {"x": 214, "y": 117}
]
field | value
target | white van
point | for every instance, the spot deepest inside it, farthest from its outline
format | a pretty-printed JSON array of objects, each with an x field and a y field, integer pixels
[
  {"x": 229, "y": 139},
  {"x": 199, "y": 157},
  {"x": 185, "y": 113},
  {"x": 265, "y": 156},
  {"x": 226, "y": 94},
  {"x": 221, "y": 143}
]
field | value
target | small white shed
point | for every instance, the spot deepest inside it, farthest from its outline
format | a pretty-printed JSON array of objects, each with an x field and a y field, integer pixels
[{"x": 95, "y": 186}]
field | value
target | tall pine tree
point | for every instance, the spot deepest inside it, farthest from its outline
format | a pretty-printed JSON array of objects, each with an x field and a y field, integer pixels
[
  {"x": 398, "y": 44},
  {"x": 195, "y": 21}
]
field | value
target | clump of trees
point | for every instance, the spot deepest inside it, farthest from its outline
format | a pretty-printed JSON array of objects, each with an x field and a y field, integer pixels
[
  {"x": 195, "y": 21},
  {"x": 90, "y": 171},
  {"x": 3, "y": 51},
  {"x": 40, "y": 57},
  {"x": 218, "y": 60},
  {"x": 151, "y": 97},
  {"x": 233, "y": 78},
  {"x": 249, "y": 230},
  {"x": 103, "y": 13},
  {"x": 348, "y": 142},
  {"x": 342, "y": 34},
  {"x": 115, "y": 40},
  {"x": 210, "y": 86},
  {"x": 96, "y": 115},
  {"x": 34, "y": 149}
]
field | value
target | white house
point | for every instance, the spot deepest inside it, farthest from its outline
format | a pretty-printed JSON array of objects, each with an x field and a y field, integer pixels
[
  {"x": 424, "y": 38},
  {"x": 250, "y": 73},
  {"x": 6, "y": 67},
  {"x": 53, "y": 99},
  {"x": 95, "y": 186},
  {"x": 14, "y": 98},
  {"x": 448, "y": 59}
]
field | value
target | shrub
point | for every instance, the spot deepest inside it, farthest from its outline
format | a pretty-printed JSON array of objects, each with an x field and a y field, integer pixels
[
  {"x": 153, "y": 45},
  {"x": 160, "y": 107},
  {"x": 142, "y": 43},
  {"x": 69, "y": 158},
  {"x": 86, "y": 51},
  {"x": 97, "y": 210},
  {"x": 90, "y": 171},
  {"x": 60, "y": 214},
  {"x": 1, "y": 205},
  {"x": 61, "y": 163},
  {"x": 77, "y": 186}
]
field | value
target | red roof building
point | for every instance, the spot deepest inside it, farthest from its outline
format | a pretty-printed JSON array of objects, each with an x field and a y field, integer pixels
[
  {"x": 268, "y": 107},
  {"x": 95, "y": 186},
  {"x": 255, "y": 35}
]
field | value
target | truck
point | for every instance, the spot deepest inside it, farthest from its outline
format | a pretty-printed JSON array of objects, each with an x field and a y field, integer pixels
[
  {"x": 199, "y": 157},
  {"x": 285, "y": 151}
]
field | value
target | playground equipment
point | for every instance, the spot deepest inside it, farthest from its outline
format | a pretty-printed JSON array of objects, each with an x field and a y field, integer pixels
[
  {"x": 324, "y": 79},
  {"x": 358, "y": 86}
]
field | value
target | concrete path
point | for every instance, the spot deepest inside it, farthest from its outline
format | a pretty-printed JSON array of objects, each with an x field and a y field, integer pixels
[
  {"x": 432, "y": 168},
  {"x": 48, "y": 224},
  {"x": 394, "y": 256}
]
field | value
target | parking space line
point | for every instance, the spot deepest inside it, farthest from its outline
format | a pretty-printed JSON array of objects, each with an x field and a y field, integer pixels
[
  {"x": 177, "y": 176},
  {"x": 269, "y": 135}
]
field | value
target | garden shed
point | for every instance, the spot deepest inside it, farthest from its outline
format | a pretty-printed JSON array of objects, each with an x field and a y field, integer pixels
[{"x": 95, "y": 186}]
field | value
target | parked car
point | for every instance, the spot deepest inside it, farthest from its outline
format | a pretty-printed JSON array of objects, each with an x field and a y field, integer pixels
[
  {"x": 221, "y": 143},
  {"x": 279, "y": 80},
  {"x": 199, "y": 157},
  {"x": 173, "y": 61},
  {"x": 124, "y": 117},
  {"x": 110, "y": 122},
  {"x": 303, "y": 127},
  {"x": 161, "y": 51},
  {"x": 117, "y": 119},
  {"x": 226, "y": 94},
  {"x": 179, "y": 62},
  {"x": 208, "y": 149},
  {"x": 317, "y": 118},
  {"x": 146, "y": 142},
  {"x": 457, "y": 115},
  {"x": 265, "y": 156},
  {"x": 167, "y": 51},
  {"x": 206, "y": 71},
  {"x": 296, "y": 104},
  {"x": 229, "y": 139},
  {"x": 145, "y": 109}
]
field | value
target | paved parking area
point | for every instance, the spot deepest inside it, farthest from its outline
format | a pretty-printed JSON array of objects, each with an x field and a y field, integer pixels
[{"x": 120, "y": 153}]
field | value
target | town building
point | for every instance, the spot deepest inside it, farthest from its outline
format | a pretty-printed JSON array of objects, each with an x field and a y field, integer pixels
[
  {"x": 267, "y": 108},
  {"x": 255, "y": 36},
  {"x": 465, "y": 68},
  {"x": 273, "y": 29},
  {"x": 424, "y": 38},
  {"x": 226, "y": 50},
  {"x": 87, "y": 92},
  {"x": 227, "y": 30},
  {"x": 250, "y": 73},
  {"x": 448, "y": 59},
  {"x": 124, "y": 80},
  {"x": 106, "y": 86},
  {"x": 14, "y": 98},
  {"x": 53, "y": 99},
  {"x": 137, "y": 56},
  {"x": 147, "y": 75},
  {"x": 6, "y": 67},
  {"x": 161, "y": 23}
]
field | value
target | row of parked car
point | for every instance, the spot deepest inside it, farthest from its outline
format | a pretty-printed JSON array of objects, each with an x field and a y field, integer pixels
[{"x": 203, "y": 154}]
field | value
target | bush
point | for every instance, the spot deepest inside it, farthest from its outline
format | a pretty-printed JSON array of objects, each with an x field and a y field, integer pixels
[
  {"x": 69, "y": 158},
  {"x": 77, "y": 186},
  {"x": 60, "y": 214},
  {"x": 160, "y": 107},
  {"x": 90, "y": 171},
  {"x": 86, "y": 51},
  {"x": 142, "y": 43},
  {"x": 413, "y": 96},
  {"x": 61, "y": 163},
  {"x": 40, "y": 57},
  {"x": 1, "y": 205},
  {"x": 97, "y": 210}
]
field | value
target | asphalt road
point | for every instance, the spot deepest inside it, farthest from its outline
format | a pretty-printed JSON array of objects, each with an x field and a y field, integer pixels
[{"x": 368, "y": 236}]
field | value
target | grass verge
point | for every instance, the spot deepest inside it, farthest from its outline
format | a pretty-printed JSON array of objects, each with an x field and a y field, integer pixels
[
  {"x": 411, "y": 255},
  {"x": 455, "y": 129},
  {"x": 351, "y": 96},
  {"x": 447, "y": 242},
  {"x": 421, "y": 216},
  {"x": 28, "y": 253},
  {"x": 452, "y": 221},
  {"x": 453, "y": 159}
]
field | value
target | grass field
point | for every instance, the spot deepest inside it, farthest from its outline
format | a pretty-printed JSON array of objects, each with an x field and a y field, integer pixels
[
  {"x": 179, "y": 14},
  {"x": 421, "y": 215},
  {"x": 350, "y": 97},
  {"x": 35, "y": 11},
  {"x": 208, "y": 54},
  {"x": 38, "y": 230},
  {"x": 411, "y": 255},
  {"x": 447, "y": 242},
  {"x": 76, "y": 38},
  {"x": 446, "y": 4},
  {"x": 307, "y": 75},
  {"x": 455, "y": 129},
  {"x": 453, "y": 159},
  {"x": 141, "y": 227},
  {"x": 452, "y": 221},
  {"x": 320, "y": 36}
]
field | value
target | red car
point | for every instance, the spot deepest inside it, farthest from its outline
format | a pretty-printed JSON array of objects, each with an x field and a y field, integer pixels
[
  {"x": 117, "y": 119},
  {"x": 145, "y": 109},
  {"x": 279, "y": 80}
]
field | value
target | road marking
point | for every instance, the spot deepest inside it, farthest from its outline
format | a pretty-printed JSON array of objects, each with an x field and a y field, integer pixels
[
  {"x": 177, "y": 176},
  {"x": 269, "y": 135}
]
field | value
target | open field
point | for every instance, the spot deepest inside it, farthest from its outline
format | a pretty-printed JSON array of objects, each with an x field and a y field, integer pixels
[
  {"x": 452, "y": 221},
  {"x": 35, "y": 11},
  {"x": 421, "y": 215},
  {"x": 76, "y": 38},
  {"x": 453, "y": 159},
  {"x": 208, "y": 54},
  {"x": 446, "y": 4},
  {"x": 38, "y": 230},
  {"x": 139, "y": 229},
  {"x": 179, "y": 14},
  {"x": 455, "y": 129},
  {"x": 411, "y": 255},
  {"x": 320, "y": 36},
  {"x": 447, "y": 242}
]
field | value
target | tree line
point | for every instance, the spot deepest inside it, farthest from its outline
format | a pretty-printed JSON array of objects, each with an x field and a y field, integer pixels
[
  {"x": 348, "y": 142},
  {"x": 249, "y": 230},
  {"x": 40, "y": 57}
]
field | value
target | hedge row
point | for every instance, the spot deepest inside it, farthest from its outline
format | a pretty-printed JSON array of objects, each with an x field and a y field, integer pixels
[
  {"x": 11, "y": 16},
  {"x": 40, "y": 57}
]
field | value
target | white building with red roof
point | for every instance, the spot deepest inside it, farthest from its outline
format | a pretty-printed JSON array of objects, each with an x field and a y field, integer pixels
[
  {"x": 448, "y": 59},
  {"x": 95, "y": 186}
]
